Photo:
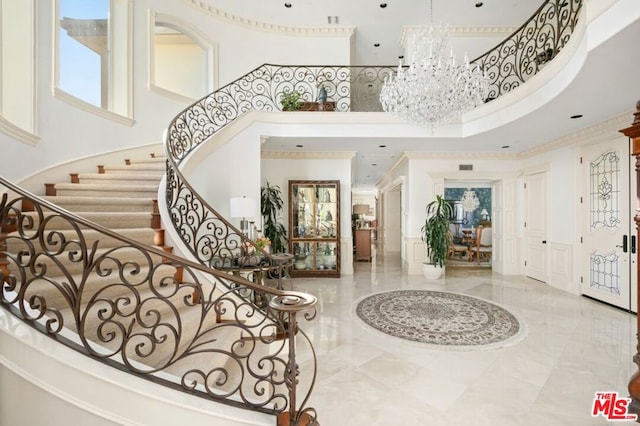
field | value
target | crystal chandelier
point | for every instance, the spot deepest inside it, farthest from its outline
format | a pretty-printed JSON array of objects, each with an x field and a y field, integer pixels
[
  {"x": 433, "y": 89},
  {"x": 469, "y": 200}
]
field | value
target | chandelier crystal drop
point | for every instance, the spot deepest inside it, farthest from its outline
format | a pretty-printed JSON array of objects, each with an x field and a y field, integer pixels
[{"x": 433, "y": 90}]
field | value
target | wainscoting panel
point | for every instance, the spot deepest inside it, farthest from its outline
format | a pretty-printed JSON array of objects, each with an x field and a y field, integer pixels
[
  {"x": 560, "y": 271},
  {"x": 417, "y": 253}
]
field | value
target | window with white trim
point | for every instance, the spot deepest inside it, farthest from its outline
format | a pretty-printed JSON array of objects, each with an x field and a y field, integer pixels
[
  {"x": 181, "y": 62},
  {"x": 93, "y": 49}
]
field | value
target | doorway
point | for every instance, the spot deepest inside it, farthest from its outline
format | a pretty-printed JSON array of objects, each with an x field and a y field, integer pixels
[
  {"x": 608, "y": 249},
  {"x": 535, "y": 226},
  {"x": 472, "y": 208}
]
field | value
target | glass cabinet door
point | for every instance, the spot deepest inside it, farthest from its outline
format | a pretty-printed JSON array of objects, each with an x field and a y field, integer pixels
[
  {"x": 303, "y": 211},
  {"x": 314, "y": 227},
  {"x": 326, "y": 212}
]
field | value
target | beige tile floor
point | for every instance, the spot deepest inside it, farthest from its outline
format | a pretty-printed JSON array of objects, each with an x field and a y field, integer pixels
[{"x": 574, "y": 348}]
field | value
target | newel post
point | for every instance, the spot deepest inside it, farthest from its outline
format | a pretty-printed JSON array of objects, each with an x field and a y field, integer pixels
[{"x": 633, "y": 133}]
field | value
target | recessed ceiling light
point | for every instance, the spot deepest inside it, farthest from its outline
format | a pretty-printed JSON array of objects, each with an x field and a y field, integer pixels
[
  {"x": 382, "y": 146},
  {"x": 506, "y": 146},
  {"x": 383, "y": 5},
  {"x": 573, "y": 117},
  {"x": 479, "y": 4},
  {"x": 287, "y": 5},
  {"x": 373, "y": 164},
  {"x": 299, "y": 146},
  {"x": 376, "y": 45}
]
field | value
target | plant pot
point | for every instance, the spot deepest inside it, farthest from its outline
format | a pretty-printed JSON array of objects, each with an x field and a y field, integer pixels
[{"x": 431, "y": 272}]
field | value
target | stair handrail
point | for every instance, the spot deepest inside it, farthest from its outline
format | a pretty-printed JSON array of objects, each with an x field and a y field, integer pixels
[
  {"x": 155, "y": 313},
  {"x": 530, "y": 47}
]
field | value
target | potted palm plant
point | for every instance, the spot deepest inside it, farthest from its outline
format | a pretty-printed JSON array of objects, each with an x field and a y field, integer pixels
[
  {"x": 435, "y": 233},
  {"x": 270, "y": 206}
]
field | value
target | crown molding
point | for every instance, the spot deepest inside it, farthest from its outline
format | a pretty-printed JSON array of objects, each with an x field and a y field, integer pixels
[
  {"x": 501, "y": 32},
  {"x": 323, "y": 30},
  {"x": 604, "y": 130},
  {"x": 282, "y": 155},
  {"x": 462, "y": 155}
]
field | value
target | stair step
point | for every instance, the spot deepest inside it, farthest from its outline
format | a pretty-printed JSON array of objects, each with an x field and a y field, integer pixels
[
  {"x": 119, "y": 178},
  {"x": 148, "y": 160},
  {"x": 143, "y": 168},
  {"x": 146, "y": 236},
  {"x": 118, "y": 204},
  {"x": 106, "y": 190},
  {"x": 93, "y": 283},
  {"x": 108, "y": 219},
  {"x": 124, "y": 254}
]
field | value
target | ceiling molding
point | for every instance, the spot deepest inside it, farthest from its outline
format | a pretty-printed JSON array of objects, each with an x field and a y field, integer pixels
[
  {"x": 601, "y": 131},
  {"x": 444, "y": 155},
  {"x": 324, "y": 30},
  {"x": 282, "y": 155},
  {"x": 502, "y": 32}
]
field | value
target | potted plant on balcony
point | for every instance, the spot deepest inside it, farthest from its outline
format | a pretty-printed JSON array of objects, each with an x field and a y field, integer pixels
[
  {"x": 290, "y": 100},
  {"x": 435, "y": 233}
]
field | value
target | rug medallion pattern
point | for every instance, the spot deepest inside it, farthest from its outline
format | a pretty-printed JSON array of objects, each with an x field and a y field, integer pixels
[{"x": 449, "y": 320}]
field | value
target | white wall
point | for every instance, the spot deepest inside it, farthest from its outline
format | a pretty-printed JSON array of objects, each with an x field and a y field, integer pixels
[{"x": 67, "y": 132}]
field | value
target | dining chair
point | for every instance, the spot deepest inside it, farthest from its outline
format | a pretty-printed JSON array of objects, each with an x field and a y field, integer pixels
[{"x": 481, "y": 248}]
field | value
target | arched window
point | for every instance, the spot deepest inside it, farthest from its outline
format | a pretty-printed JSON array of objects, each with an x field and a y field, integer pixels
[
  {"x": 93, "y": 49},
  {"x": 182, "y": 63},
  {"x": 17, "y": 68}
]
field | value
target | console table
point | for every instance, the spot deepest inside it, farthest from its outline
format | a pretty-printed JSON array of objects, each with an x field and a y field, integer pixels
[{"x": 363, "y": 244}]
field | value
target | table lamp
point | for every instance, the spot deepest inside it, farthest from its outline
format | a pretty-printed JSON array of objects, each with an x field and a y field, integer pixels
[{"x": 243, "y": 207}]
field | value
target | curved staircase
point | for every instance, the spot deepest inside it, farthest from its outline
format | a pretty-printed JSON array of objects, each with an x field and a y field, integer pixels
[{"x": 118, "y": 294}]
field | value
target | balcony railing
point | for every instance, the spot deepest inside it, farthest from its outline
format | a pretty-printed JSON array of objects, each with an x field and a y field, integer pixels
[
  {"x": 351, "y": 88},
  {"x": 530, "y": 47}
]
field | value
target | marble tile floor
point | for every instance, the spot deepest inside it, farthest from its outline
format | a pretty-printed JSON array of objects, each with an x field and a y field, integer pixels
[{"x": 574, "y": 348}]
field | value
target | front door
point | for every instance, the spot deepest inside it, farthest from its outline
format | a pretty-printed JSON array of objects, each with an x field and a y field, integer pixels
[
  {"x": 606, "y": 232},
  {"x": 535, "y": 226}
]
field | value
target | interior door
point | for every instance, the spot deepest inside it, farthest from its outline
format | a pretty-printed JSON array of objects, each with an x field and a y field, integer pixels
[
  {"x": 608, "y": 239},
  {"x": 535, "y": 228}
]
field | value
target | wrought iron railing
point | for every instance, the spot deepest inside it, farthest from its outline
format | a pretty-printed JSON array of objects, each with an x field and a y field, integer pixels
[
  {"x": 530, "y": 47},
  {"x": 206, "y": 233},
  {"x": 148, "y": 312},
  {"x": 211, "y": 238}
]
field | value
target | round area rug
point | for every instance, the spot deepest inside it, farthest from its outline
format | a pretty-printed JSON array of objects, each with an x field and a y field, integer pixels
[{"x": 444, "y": 320}]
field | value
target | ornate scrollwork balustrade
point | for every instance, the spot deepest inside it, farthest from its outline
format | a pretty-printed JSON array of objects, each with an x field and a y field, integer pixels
[
  {"x": 207, "y": 234},
  {"x": 523, "y": 54},
  {"x": 148, "y": 312}
]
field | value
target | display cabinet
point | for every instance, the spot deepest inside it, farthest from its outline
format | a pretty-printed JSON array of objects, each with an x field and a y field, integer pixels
[{"x": 314, "y": 227}]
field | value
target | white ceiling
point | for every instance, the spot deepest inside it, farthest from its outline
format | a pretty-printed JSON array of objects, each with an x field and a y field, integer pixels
[{"x": 606, "y": 86}]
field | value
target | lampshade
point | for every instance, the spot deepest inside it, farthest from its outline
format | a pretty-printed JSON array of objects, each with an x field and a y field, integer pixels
[
  {"x": 484, "y": 212},
  {"x": 361, "y": 208},
  {"x": 243, "y": 207}
]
